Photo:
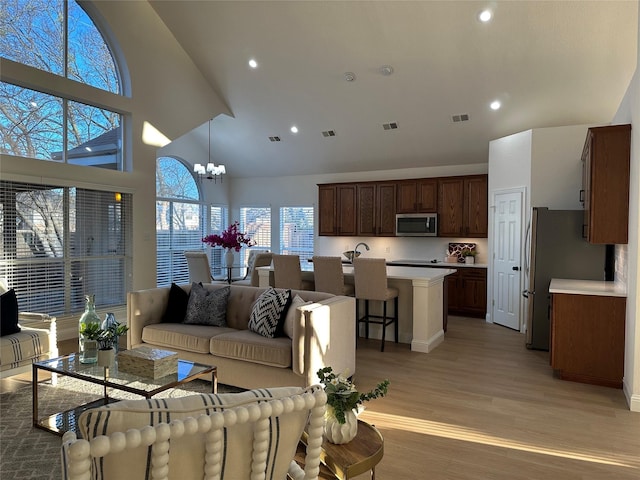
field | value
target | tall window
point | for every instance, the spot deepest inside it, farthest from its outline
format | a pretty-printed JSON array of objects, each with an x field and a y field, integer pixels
[
  {"x": 296, "y": 231},
  {"x": 256, "y": 223},
  {"x": 179, "y": 220},
  {"x": 58, "y": 37},
  {"x": 61, "y": 243}
]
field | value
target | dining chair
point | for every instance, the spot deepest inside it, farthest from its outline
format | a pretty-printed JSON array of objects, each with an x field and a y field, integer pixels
[
  {"x": 370, "y": 276},
  {"x": 329, "y": 277},
  {"x": 288, "y": 274},
  {"x": 257, "y": 258},
  {"x": 199, "y": 269}
]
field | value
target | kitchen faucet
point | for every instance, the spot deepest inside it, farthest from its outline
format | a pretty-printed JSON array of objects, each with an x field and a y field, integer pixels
[{"x": 355, "y": 250}]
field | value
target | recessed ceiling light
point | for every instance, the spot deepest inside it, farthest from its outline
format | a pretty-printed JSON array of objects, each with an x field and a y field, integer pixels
[
  {"x": 253, "y": 63},
  {"x": 349, "y": 76},
  {"x": 485, "y": 15},
  {"x": 294, "y": 129},
  {"x": 386, "y": 70},
  {"x": 495, "y": 105}
]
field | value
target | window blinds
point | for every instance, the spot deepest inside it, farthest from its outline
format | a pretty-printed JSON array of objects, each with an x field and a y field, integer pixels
[
  {"x": 61, "y": 243},
  {"x": 296, "y": 232}
]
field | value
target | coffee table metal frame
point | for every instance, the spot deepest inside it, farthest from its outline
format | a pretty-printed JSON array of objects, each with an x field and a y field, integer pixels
[{"x": 70, "y": 366}]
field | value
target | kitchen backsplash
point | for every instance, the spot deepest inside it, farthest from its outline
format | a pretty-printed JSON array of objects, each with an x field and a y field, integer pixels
[{"x": 392, "y": 248}]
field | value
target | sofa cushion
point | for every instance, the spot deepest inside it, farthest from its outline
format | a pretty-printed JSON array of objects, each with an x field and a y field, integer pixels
[
  {"x": 207, "y": 307},
  {"x": 291, "y": 314},
  {"x": 269, "y": 312},
  {"x": 24, "y": 347},
  {"x": 192, "y": 338},
  {"x": 252, "y": 347},
  {"x": 177, "y": 306},
  {"x": 187, "y": 454},
  {"x": 9, "y": 313}
]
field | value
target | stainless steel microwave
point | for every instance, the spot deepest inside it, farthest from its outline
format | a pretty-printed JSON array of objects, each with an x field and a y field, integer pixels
[{"x": 416, "y": 224}]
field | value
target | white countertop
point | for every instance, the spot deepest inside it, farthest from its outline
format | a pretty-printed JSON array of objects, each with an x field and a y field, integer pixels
[
  {"x": 427, "y": 263},
  {"x": 410, "y": 273},
  {"x": 586, "y": 287}
]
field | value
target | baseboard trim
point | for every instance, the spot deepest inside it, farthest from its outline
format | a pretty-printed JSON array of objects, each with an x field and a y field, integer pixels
[
  {"x": 428, "y": 345},
  {"x": 632, "y": 400}
]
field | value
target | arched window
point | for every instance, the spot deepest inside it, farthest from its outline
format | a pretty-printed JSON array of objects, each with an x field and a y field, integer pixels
[
  {"x": 58, "y": 37},
  {"x": 181, "y": 221}
]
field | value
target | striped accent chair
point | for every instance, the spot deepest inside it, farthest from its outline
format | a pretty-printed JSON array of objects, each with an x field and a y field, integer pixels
[
  {"x": 253, "y": 434},
  {"x": 19, "y": 350}
]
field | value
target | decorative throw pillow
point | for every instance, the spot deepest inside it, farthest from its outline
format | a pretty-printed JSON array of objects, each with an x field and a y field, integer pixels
[
  {"x": 269, "y": 311},
  {"x": 207, "y": 307},
  {"x": 177, "y": 306},
  {"x": 9, "y": 313},
  {"x": 291, "y": 314}
]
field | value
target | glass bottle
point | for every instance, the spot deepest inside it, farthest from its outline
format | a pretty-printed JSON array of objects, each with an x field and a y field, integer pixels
[{"x": 88, "y": 347}]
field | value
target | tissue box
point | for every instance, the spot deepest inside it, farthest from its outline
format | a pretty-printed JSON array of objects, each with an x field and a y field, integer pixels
[{"x": 148, "y": 362}]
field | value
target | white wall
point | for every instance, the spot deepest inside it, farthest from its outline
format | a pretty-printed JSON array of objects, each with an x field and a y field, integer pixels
[
  {"x": 556, "y": 167},
  {"x": 629, "y": 112}
]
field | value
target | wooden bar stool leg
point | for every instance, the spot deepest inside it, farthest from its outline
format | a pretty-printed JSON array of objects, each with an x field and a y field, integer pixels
[
  {"x": 384, "y": 324},
  {"x": 366, "y": 317},
  {"x": 395, "y": 307}
]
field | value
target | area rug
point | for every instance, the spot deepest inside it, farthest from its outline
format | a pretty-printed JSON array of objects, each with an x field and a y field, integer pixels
[{"x": 30, "y": 453}]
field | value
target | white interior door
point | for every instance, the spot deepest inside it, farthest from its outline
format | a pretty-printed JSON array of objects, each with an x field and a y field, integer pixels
[{"x": 507, "y": 228}]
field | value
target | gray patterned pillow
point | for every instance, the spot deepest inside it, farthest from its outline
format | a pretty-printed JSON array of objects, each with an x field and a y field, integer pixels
[
  {"x": 269, "y": 312},
  {"x": 207, "y": 307}
]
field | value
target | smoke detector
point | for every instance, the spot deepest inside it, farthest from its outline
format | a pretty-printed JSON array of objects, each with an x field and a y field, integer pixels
[
  {"x": 349, "y": 76},
  {"x": 386, "y": 70}
]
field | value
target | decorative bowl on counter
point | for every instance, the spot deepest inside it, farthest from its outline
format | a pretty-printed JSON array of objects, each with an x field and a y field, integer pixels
[{"x": 349, "y": 255}]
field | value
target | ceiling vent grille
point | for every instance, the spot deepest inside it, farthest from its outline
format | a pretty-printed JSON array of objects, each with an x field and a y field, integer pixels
[
  {"x": 329, "y": 133},
  {"x": 463, "y": 117},
  {"x": 390, "y": 126},
  {"x": 274, "y": 139}
]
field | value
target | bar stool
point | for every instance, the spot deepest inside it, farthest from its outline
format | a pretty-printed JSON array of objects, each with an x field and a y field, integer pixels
[
  {"x": 288, "y": 274},
  {"x": 371, "y": 284},
  {"x": 329, "y": 277}
]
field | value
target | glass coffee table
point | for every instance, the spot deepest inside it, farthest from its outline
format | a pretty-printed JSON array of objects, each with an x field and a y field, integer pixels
[{"x": 109, "y": 378}]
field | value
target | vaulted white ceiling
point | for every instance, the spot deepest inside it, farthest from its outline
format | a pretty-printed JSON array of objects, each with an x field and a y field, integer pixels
[{"x": 550, "y": 63}]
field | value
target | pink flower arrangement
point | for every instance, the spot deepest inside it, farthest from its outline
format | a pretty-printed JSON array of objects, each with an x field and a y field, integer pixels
[{"x": 231, "y": 238}]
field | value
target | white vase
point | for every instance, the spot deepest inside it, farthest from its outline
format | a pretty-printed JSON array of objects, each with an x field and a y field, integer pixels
[
  {"x": 340, "y": 433},
  {"x": 228, "y": 257},
  {"x": 470, "y": 260},
  {"x": 107, "y": 357}
]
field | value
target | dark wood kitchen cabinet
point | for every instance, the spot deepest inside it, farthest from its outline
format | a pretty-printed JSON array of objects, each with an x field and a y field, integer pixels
[
  {"x": 467, "y": 292},
  {"x": 417, "y": 196},
  {"x": 462, "y": 206},
  {"x": 605, "y": 184},
  {"x": 337, "y": 209},
  {"x": 587, "y": 338},
  {"x": 376, "y": 209}
]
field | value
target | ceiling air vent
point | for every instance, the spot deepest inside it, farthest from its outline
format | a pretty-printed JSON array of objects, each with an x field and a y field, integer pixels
[
  {"x": 390, "y": 126},
  {"x": 463, "y": 117},
  {"x": 329, "y": 133},
  {"x": 274, "y": 139}
]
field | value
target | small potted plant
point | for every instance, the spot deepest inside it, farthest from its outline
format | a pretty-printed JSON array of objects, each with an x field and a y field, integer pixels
[
  {"x": 468, "y": 255},
  {"x": 106, "y": 339},
  {"x": 342, "y": 402}
]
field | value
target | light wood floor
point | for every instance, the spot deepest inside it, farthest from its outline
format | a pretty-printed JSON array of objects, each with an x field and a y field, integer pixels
[{"x": 482, "y": 406}]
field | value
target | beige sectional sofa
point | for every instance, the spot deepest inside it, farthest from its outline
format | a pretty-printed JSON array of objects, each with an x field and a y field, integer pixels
[{"x": 323, "y": 335}]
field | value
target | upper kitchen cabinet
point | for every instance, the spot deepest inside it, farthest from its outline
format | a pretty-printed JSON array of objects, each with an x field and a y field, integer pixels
[
  {"x": 605, "y": 184},
  {"x": 462, "y": 206},
  {"x": 417, "y": 196},
  {"x": 337, "y": 209},
  {"x": 376, "y": 209}
]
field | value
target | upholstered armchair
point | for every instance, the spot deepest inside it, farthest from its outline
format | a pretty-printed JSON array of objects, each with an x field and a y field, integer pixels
[{"x": 252, "y": 434}]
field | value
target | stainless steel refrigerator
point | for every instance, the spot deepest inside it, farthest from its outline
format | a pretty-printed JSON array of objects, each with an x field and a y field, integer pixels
[{"x": 557, "y": 251}]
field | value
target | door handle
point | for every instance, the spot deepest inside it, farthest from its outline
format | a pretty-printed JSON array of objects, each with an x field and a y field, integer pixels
[
  {"x": 515, "y": 269},
  {"x": 525, "y": 293}
]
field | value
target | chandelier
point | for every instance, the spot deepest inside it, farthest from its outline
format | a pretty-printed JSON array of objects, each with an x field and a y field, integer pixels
[{"x": 210, "y": 171}]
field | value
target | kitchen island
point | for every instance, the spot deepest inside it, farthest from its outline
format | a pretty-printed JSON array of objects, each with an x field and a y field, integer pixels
[{"x": 420, "y": 301}]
